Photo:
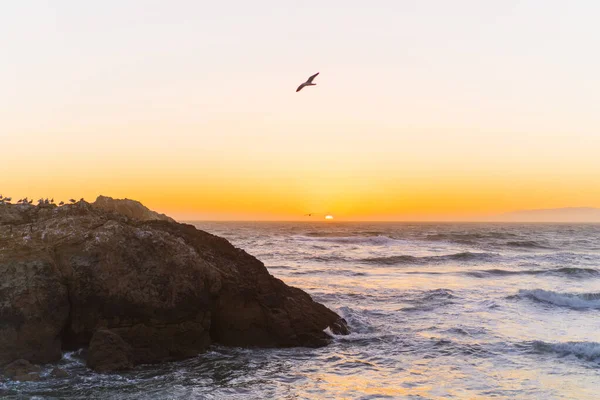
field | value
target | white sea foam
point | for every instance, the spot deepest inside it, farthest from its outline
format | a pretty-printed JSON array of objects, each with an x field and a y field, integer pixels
[
  {"x": 585, "y": 350},
  {"x": 572, "y": 300},
  {"x": 407, "y": 301},
  {"x": 74, "y": 357}
]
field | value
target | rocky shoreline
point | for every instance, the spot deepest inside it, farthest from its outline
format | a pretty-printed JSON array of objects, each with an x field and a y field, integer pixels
[{"x": 134, "y": 287}]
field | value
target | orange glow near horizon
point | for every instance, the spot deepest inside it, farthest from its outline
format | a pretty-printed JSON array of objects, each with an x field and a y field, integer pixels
[{"x": 231, "y": 198}]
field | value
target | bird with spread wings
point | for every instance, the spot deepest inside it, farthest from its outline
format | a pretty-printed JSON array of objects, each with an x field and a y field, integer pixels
[{"x": 308, "y": 82}]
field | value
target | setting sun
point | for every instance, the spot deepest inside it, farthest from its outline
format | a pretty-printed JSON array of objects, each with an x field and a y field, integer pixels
[{"x": 329, "y": 217}]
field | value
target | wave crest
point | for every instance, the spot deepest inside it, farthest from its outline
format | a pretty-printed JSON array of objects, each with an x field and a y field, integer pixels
[
  {"x": 372, "y": 240},
  {"x": 405, "y": 259},
  {"x": 470, "y": 236},
  {"x": 567, "y": 271},
  {"x": 327, "y": 234},
  {"x": 585, "y": 350},
  {"x": 527, "y": 244},
  {"x": 575, "y": 271},
  {"x": 571, "y": 300}
]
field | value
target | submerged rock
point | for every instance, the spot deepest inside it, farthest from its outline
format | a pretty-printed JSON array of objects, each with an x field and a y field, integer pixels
[
  {"x": 166, "y": 289},
  {"x": 22, "y": 370},
  {"x": 59, "y": 373}
]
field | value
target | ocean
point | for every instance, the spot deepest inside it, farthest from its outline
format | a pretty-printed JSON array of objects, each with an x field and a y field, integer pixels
[{"x": 437, "y": 311}]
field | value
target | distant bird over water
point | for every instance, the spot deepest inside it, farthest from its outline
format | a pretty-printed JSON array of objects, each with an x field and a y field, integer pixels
[{"x": 308, "y": 82}]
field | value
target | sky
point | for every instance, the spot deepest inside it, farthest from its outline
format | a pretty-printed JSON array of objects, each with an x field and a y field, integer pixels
[{"x": 423, "y": 110}]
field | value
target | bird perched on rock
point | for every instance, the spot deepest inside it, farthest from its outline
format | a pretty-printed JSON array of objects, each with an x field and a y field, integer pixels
[{"x": 308, "y": 82}]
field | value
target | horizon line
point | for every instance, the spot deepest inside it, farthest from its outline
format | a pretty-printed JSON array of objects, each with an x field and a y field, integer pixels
[{"x": 395, "y": 221}]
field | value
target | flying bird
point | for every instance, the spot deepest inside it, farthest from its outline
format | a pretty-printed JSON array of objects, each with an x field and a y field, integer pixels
[{"x": 308, "y": 82}]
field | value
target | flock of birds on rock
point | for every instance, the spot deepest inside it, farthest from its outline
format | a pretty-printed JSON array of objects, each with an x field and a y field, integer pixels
[{"x": 40, "y": 202}]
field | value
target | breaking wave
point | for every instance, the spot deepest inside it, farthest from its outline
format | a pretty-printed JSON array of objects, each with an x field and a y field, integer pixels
[
  {"x": 502, "y": 239},
  {"x": 589, "y": 351},
  {"x": 569, "y": 272},
  {"x": 405, "y": 259},
  {"x": 570, "y": 300}
]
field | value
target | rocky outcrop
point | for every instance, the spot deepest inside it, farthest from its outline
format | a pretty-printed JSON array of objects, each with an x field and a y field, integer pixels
[
  {"x": 34, "y": 304},
  {"x": 129, "y": 208},
  {"x": 166, "y": 289},
  {"x": 22, "y": 370},
  {"x": 109, "y": 352},
  {"x": 59, "y": 373}
]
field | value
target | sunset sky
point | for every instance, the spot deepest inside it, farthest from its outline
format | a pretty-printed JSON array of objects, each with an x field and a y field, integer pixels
[{"x": 426, "y": 110}]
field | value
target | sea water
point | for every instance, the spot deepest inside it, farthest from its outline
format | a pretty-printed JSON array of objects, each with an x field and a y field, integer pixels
[{"x": 436, "y": 311}]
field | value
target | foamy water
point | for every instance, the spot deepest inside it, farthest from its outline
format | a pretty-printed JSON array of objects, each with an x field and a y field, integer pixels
[{"x": 436, "y": 311}]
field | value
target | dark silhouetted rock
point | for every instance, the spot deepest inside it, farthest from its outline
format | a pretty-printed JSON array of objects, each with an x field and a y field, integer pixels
[
  {"x": 129, "y": 208},
  {"x": 167, "y": 289},
  {"x": 109, "y": 352},
  {"x": 34, "y": 305},
  {"x": 59, "y": 373},
  {"x": 22, "y": 370}
]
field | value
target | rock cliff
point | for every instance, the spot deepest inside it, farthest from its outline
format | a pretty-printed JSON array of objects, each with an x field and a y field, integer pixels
[
  {"x": 129, "y": 208},
  {"x": 168, "y": 290}
]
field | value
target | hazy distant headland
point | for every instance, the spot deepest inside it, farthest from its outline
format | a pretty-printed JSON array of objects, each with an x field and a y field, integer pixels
[{"x": 567, "y": 214}]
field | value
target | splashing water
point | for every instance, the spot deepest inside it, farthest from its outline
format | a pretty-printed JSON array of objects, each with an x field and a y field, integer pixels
[{"x": 436, "y": 311}]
